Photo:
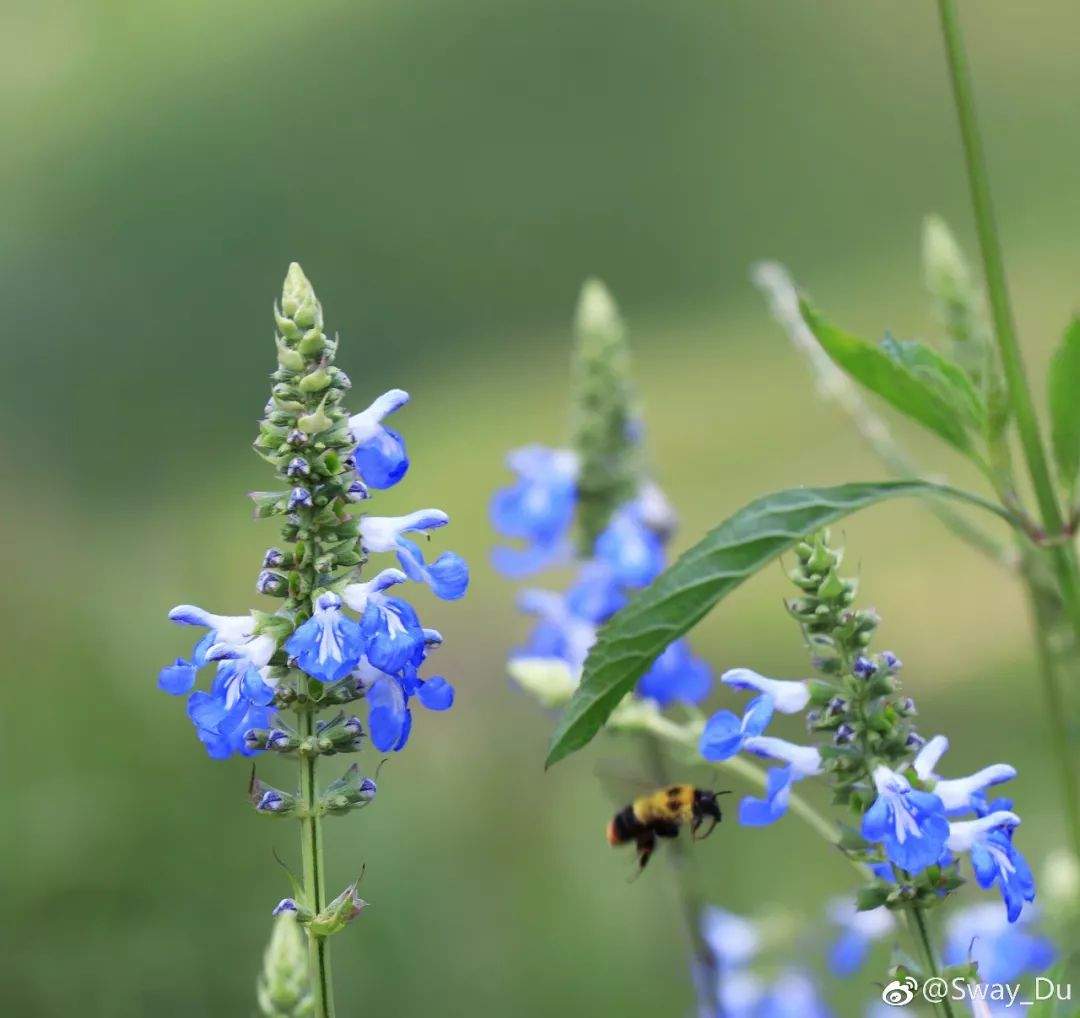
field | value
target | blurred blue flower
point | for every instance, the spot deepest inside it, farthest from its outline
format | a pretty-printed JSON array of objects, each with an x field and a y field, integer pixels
[
  {"x": 910, "y": 824},
  {"x": 1004, "y": 950},
  {"x": 538, "y": 509},
  {"x": 560, "y": 633},
  {"x": 381, "y": 459},
  {"x": 630, "y": 548},
  {"x": 676, "y": 676},
  {"x": 725, "y": 733},
  {"x": 793, "y": 995},
  {"x": 858, "y": 932},
  {"x": 994, "y": 858}
]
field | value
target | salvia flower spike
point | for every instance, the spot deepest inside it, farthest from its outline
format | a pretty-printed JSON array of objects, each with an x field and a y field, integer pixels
[{"x": 307, "y": 653}]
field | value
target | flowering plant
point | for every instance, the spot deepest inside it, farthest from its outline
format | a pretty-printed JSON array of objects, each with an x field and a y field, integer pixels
[{"x": 276, "y": 672}]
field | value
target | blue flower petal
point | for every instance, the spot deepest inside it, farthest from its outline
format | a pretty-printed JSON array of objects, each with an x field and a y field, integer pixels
[
  {"x": 177, "y": 678},
  {"x": 436, "y": 693},
  {"x": 382, "y": 460},
  {"x": 722, "y": 737},
  {"x": 848, "y": 953},
  {"x": 447, "y": 576}
]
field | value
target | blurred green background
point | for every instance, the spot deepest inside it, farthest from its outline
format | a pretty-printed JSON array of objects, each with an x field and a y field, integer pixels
[{"x": 448, "y": 173}]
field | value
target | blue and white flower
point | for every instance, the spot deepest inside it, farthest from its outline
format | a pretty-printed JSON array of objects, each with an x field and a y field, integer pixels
[
  {"x": 994, "y": 858},
  {"x": 676, "y": 676},
  {"x": 910, "y": 824},
  {"x": 388, "y": 697},
  {"x": 226, "y": 628},
  {"x": 788, "y": 696},
  {"x": 859, "y": 931},
  {"x": 799, "y": 762},
  {"x": 330, "y": 644},
  {"x": 381, "y": 459},
  {"x": 725, "y": 733},
  {"x": 1005, "y": 951},
  {"x": 538, "y": 509},
  {"x": 447, "y": 576},
  {"x": 238, "y": 700},
  {"x": 958, "y": 795}
]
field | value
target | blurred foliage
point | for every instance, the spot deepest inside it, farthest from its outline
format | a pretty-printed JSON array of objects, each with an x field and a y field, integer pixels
[{"x": 448, "y": 174}]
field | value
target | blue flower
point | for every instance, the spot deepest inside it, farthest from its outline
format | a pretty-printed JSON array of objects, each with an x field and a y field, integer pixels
[
  {"x": 448, "y": 575},
  {"x": 676, "y": 676},
  {"x": 725, "y": 734},
  {"x": 800, "y": 762},
  {"x": 858, "y": 932},
  {"x": 560, "y": 633},
  {"x": 630, "y": 548},
  {"x": 793, "y": 995},
  {"x": 392, "y": 633},
  {"x": 329, "y": 645},
  {"x": 238, "y": 699},
  {"x": 788, "y": 696},
  {"x": 994, "y": 857},
  {"x": 538, "y": 509},
  {"x": 596, "y": 594},
  {"x": 732, "y": 940},
  {"x": 381, "y": 459},
  {"x": 958, "y": 795},
  {"x": 388, "y": 697},
  {"x": 227, "y": 628},
  {"x": 911, "y": 825},
  {"x": 1004, "y": 951}
]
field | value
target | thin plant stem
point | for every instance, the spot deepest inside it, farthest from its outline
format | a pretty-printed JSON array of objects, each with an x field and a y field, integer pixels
[
  {"x": 933, "y": 969},
  {"x": 1062, "y": 553},
  {"x": 311, "y": 851},
  {"x": 1056, "y": 711}
]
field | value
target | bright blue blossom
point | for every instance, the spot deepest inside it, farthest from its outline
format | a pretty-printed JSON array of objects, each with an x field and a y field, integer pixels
[
  {"x": 238, "y": 699},
  {"x": 177, "y": 678},
  {"x": 858, "y": 932},
  {"x": 988, "y": 841},
  {"x": 725, "y": 733},
  {"x": 448, "y": 575},
  {"x": 380, "y": 454},
  {"x": 538, "y": 508},
  {"x": 388, "y": 697},
  {"x": 676, "y": 676},
  {"x": 799, "y": 762},
  {"x": 630, "y": 548},
  {"x": 788, "y": 696},
  {"x": 910, "y": 824},
  {"x": 958, "y": 795},
  {"x": 1004, "y": 950},
  {"x": 330, "y": 644}
]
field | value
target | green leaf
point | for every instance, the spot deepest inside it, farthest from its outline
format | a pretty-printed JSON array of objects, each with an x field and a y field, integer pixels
[
  {"x": 873, "y": 368},
  {"x": 950, "y": 381},
  {"x": 715, "y": 566},
  {"x": 1064, "y": 398}
]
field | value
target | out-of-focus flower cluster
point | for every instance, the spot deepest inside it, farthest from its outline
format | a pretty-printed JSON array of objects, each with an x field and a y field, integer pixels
[{"x": 622, "y": 523}]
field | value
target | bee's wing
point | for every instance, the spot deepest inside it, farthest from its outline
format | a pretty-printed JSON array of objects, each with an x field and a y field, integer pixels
[{"x": 622, "y": 784}]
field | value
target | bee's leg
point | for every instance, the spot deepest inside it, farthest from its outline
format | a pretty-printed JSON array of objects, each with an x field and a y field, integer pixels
[
  {"x": 646, "y": 845},
  {"x": 711, "y": 828}
]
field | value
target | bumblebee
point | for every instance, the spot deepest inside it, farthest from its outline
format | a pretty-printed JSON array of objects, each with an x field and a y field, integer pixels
[{"x": 661, "y": 814}]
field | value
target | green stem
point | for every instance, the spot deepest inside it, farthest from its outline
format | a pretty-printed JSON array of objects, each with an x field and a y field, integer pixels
[
  {"x": 1062, "y": 556},
  {"x": 311, "y": 851},
  {"x": 1056, "y": 710},
  {"x": 932, "y": 967}
]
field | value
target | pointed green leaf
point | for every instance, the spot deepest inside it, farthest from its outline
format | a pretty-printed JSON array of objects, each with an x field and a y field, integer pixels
[
  {"x": 1064, "y": 398},
  {"x": 945, "y": 377},
  {"x": 716, "y": 565},
  {"x": 874, "y": 369}
]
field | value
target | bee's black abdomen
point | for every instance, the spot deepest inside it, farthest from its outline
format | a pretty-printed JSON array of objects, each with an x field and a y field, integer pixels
[{"x": 625, "y": 826}]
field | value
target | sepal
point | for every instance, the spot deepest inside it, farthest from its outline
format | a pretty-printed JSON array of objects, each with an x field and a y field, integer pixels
[
  {"x": 338, "y": 913},
  {"x": 271, "y": 801},
  {"x": 349, "y": 792}
]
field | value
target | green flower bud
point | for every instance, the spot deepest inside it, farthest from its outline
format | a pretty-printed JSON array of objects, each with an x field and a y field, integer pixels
[
  {"x": 548, "y": 680},
  {"x": 283, "y": 987},
  {"x": 289, "y": 358},
  {"x": 312, "y": 343},
  {"x": 316, "y": 422},
  {"x": 296, "y": 291},
  {"x": 315, "y": 381}
]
